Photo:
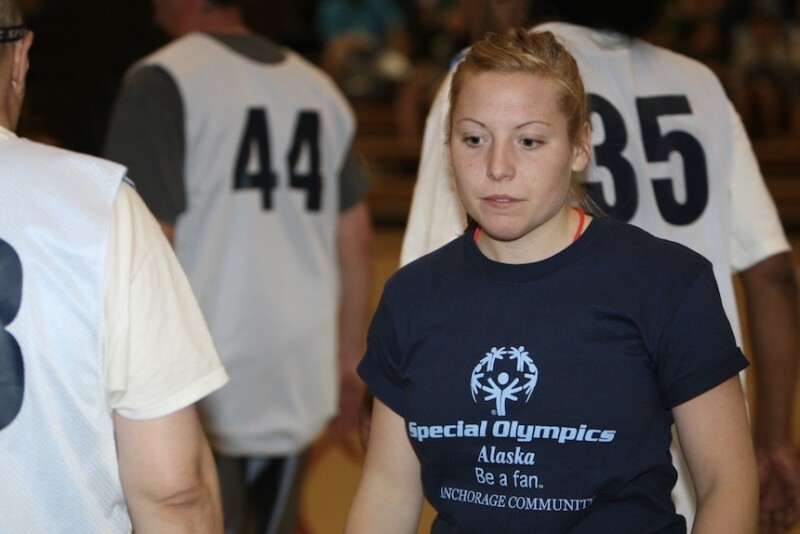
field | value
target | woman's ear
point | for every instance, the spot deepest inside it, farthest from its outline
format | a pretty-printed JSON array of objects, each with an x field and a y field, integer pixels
[{"x": 581, "y": 152}]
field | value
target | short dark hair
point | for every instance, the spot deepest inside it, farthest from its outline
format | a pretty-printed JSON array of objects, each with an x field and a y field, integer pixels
[
  {"x": 634, "y": 18},
  {"x": 10, "y": 13}
]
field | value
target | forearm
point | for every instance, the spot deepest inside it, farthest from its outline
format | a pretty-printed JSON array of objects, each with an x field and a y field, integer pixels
[
  {"x": 771, "y": 304},
  {"x": 354, "y": 247},
  {"x": 354, "y": 244},
  {"x": 389, "y": 495},
  {"x": 727, "y": 509},
  {"x": 381, "y": 508}
]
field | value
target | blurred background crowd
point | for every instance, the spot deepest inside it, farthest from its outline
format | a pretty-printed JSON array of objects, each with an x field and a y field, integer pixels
[{"x": 387, "y": 55}]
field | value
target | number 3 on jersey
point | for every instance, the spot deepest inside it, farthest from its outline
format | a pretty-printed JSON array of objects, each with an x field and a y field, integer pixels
[
  {"x": 12, "y": 377},
  {"x": 254, "y": 159},
  {"x": 658, "y": 146}
]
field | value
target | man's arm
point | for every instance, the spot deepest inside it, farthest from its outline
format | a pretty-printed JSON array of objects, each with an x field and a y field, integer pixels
[
  {"x": 770, "y": 291},
  {"x": 168, "y": 474},
  {"x": 354, "y": 245}
]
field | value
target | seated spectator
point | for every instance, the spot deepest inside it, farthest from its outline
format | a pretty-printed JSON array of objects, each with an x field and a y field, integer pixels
[{"x": 365, "y": 44}]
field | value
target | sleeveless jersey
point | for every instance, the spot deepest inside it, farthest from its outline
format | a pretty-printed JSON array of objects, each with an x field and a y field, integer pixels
[
  {"x": 264, "y": 147},
  {"x": 59, "y": 463}
]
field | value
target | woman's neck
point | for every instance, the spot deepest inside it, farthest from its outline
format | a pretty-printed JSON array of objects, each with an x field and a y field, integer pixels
[{"x": 545, "y": 241}]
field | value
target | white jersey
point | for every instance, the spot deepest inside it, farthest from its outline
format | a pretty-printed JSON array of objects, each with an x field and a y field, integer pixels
[
  {"x": 264, "y": 147},
  {"x": 59, "y": 463},
  {"x": 670, "y": 155}
]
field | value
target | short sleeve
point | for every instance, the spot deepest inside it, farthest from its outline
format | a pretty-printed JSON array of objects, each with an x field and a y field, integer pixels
[
  {"x": 697, "y": 350},
  {"x": 353, "y": 183},
  {"x": 381, "y": 366},
  {"x": 159, "y": 353},
  {"x": 146, "y": 134},
  {"x": 756, "y": 229}
]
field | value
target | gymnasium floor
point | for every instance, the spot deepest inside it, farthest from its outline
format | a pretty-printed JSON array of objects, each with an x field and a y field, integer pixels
[{"x": 334, "y": 472}]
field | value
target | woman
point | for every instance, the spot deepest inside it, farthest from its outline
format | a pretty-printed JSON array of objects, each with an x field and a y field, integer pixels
[{"x": 526, "y": 375}]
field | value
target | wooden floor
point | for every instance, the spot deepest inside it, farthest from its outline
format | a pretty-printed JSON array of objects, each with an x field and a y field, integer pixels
[{"x": 334, "y": 472}]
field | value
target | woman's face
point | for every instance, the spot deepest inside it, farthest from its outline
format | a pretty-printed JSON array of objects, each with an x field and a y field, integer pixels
[{"x": 512, "y": 156}]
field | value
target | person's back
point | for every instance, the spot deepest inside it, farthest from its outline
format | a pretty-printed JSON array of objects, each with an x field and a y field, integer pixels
[
  {"x": 241, "y": 148},
  {"x": 668, "y": 158},
  {"x": 667, "y": 146},
  {"x": 250, "y": 240},
  {"x": 98, "y": 425},
  {"x": 52, "y": 349}
]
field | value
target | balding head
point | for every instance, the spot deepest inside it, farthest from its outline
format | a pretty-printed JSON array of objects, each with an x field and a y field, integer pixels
[{"x": 179, "y": 17}]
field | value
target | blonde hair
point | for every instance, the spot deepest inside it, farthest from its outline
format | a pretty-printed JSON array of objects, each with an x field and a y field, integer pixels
[{"x": 537, "y": 54}]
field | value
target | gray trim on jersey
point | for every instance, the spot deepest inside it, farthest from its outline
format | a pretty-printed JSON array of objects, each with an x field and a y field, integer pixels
[{"x": 151, "y": 102}]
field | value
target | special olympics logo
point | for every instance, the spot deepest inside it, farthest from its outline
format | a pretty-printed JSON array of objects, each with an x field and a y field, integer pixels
[{"x": 501, "y": 375}]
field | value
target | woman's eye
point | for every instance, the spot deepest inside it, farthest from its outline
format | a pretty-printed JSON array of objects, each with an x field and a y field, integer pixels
[
  {"x": 529, "y": 142},
  {"x": 472, "y": 139}
]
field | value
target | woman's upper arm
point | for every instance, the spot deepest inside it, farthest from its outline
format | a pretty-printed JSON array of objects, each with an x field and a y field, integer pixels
[{"x": 715, "y": 437}]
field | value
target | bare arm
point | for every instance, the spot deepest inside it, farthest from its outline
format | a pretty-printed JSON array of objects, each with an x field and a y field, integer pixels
[
  {"x": 354, "y": 246},
  {"x": 389, "y": 494},
  {"x": 168, "y": 474},
  {"x": 771, "y": 298},
  {"x": 770, "y": 291},
  {"x": 715, "y": 438},
  {"x": 169, "y": 231}
]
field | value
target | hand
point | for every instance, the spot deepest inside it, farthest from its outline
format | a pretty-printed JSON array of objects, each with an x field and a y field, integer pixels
[
  {"x": 779, "y": 485},
  {"x": 351, "y": 392}
]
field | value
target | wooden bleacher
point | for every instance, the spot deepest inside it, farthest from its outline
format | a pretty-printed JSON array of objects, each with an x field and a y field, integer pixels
[
  {"x": 780, "y": 164},
  {"x": 390, "y": 159}
]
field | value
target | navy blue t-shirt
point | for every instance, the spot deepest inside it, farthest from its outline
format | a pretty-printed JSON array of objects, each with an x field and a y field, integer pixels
[{"x": 538, "y": 397}]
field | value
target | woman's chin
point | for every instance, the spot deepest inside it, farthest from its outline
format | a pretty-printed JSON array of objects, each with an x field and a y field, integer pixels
[{"x": 503, "y": 232}]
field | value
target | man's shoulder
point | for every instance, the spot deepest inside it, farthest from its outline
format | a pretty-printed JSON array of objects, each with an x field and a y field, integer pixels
[
  {"x": 49, "y": 155},
  {"x": 583, "y": 41}
]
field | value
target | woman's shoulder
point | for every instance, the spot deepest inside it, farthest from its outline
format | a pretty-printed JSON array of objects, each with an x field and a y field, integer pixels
[
  {"x": 430, "y": 269},
  {"x": 635, "y": 244}
]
